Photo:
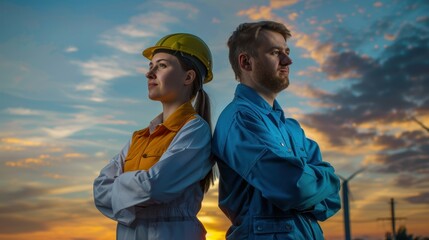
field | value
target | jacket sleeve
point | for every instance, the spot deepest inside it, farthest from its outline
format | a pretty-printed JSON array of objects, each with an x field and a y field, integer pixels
[
  {"x": 102, "y": 188},
  {"x": 288, "y": 181},
  {"x": 185, "y": 162},
  {"x": 332, "y": 203}
]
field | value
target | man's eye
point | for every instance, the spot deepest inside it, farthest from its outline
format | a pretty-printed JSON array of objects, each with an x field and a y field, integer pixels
[{"x": 276, "y": 52}]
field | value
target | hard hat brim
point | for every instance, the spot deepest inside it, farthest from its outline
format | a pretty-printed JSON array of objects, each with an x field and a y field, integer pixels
[{"x": 149, "y": 52}]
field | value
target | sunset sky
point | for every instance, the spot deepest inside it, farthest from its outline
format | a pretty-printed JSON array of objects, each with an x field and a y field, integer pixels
[{"x": 72, "y": 91}]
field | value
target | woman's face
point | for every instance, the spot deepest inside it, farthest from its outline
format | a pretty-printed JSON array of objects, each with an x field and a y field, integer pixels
[{"x": 166, "y": 78}]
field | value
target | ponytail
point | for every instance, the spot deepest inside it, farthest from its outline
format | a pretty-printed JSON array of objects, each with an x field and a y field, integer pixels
[{"x": 202, "y": 106}]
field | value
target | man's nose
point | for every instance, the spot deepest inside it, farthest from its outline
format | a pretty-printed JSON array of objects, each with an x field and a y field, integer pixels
[{"x": 285, "y": 59}]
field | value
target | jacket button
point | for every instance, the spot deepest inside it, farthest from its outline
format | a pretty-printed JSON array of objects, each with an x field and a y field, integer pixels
[
  {"x": 259, "y": 228},
  {"x": 144, "y": 155},
  {"x": 288, "y": 227}
]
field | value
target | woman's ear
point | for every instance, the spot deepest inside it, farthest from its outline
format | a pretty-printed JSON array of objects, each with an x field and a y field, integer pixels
[
  {"x": 190, "y": 77},
  {"x": 244, "y": 62}
]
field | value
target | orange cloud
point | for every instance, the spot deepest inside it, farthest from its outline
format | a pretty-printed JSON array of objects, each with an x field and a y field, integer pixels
[
  {"x": 306, "y": 91},
  {"x": 389, "y": 37},
  {"x": 265, "y": 12},
  {"x": 74, "y": 155},
  {"x": 309, "y": 71},
  {"x": 293, "y": 16},
  {"x": 29, "y": 162},
  {"x": 396, "y": 127},
  {"x": 94, "y": 229},
  {"x": 53, "y": 176},
  {"x": 317, "y": 51},
  {"x": 21, "y": 142},
  {"x": 257, "y": 13},
  {"x": 71, "y": 189},
  {"x": 282, "y": 3},
  {"x": 319, "y": 104}
]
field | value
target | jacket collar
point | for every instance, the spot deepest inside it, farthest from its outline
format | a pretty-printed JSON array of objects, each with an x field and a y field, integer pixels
[
  {"x": 249, "y": 94},
  {"x": 176, "y": 120}
]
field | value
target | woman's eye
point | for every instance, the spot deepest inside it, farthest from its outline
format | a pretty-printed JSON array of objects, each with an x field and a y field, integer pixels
[{"x": 162, "y": 65}]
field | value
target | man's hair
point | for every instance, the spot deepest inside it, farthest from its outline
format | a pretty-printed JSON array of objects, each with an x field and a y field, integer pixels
[{"x": 244, "y": 39}]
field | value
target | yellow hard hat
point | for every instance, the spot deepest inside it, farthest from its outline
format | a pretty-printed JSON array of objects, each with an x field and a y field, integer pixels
[{"x": 189, "y": 44}]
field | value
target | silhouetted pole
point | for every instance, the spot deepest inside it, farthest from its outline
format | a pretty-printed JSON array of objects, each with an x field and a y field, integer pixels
[
  {"x": 392, "y": 210},
  {"x": 345, "y": 195},
  {"x": 392, "y": 218}
]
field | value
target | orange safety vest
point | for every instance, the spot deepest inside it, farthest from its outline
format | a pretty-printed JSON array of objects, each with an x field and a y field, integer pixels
[{"x": 147, "y": 148}]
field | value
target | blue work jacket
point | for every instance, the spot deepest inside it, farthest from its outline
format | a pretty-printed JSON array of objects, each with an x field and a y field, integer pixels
[{"x": 273, "y": 181}]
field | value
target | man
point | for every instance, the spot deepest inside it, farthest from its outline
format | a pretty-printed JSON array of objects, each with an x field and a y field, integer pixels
[{"x": 273, "y": 182}]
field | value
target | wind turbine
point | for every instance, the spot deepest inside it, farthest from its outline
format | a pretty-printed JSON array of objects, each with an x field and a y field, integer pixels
[
  {"x": 345, "y": 187},
  {"x": 420, "y": 123}
]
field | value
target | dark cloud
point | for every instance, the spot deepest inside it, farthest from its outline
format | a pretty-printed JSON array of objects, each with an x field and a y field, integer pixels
[
  {"x": 37, "y": 202},
  {"x": 410, "y": 160},
  {"x": 390, "y": 142},
  {"x": 389, "y": 88},
  {"x": 385, "y": 90},
  {"x": 23, "y": 193},
  {"x": 407, "y": 180},
  {"x": 338, "y": 127},
  {"x": 406, "y": 153},
  {"x": 347, "y": 64},
  {"x": 13, "y": 225},
  {"x": 421, "y": 198},
  {"x": 25, "y": 206}
]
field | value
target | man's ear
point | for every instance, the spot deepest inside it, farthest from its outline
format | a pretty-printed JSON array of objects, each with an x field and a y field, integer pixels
[
  {"x": 190, "y": 77},
  {"x": 244, "y": 61}
]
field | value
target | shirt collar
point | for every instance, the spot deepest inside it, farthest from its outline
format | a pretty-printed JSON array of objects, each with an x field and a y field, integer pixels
[
  {"x": 249, "y": 94},
  {"x": 176, "y": 120}
]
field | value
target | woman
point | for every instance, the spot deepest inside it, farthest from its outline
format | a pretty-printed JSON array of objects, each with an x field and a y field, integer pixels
[{"x": 154, "y": 187}]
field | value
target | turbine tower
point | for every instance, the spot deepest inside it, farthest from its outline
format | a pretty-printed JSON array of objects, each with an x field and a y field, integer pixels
[{"x": 345, "y": 187}]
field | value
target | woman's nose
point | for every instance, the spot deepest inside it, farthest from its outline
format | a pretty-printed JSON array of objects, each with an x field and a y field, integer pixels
[{"x": 151, "y": 74}]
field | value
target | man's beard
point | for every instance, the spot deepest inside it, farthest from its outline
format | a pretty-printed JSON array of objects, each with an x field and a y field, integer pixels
[{"x": 270, "y": 80}]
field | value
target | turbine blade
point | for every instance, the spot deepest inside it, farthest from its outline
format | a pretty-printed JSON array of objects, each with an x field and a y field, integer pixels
[{"x": 356, "y": 173}]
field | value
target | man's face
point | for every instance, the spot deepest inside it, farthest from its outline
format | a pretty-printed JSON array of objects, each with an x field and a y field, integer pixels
[{"x": 271, "y": 65}]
